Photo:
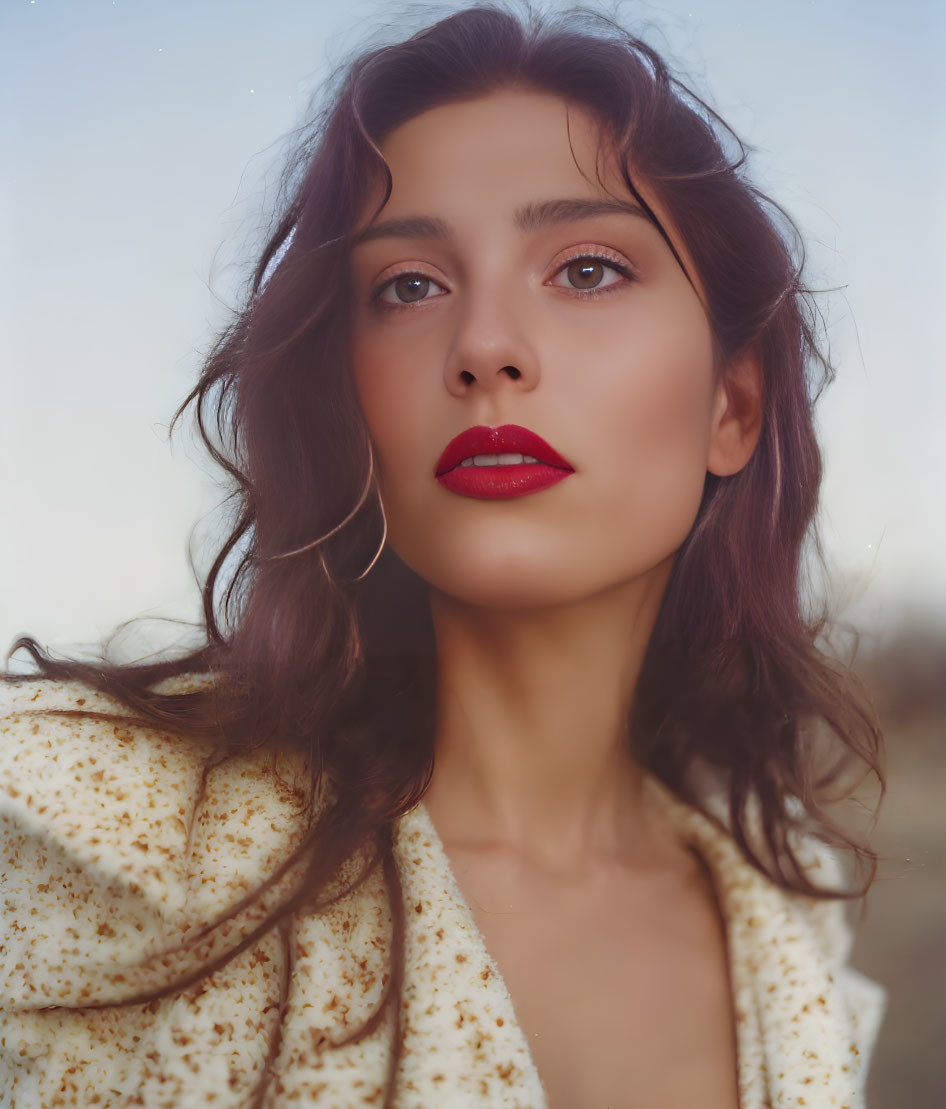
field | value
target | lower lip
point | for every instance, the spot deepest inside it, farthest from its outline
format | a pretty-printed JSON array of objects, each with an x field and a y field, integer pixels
[{"x": 502, "y": 481}]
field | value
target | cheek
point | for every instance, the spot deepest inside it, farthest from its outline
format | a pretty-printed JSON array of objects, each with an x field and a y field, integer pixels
[
  {"x": 384, "y": 395},
  {"x": 650, "y": 370},
  {"x": 650, "y": 399},
  {"x": 667, "y": 417},
  {"x": 397, "y": 401}
]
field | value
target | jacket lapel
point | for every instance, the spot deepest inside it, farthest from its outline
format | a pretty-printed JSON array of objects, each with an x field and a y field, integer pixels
[
  {"x": 793, "y": 1021},
  {"x": 462, "y": 1032},
  {"x": 462, "y": 1043}
]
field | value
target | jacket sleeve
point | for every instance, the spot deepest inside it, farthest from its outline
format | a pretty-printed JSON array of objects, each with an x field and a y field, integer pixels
[{"x": 96, "y": 819}]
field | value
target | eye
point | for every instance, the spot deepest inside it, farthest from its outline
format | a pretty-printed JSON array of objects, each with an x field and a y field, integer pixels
[
  {"x": 409, "y": 288},
  {"x": 588, "y": 272}
]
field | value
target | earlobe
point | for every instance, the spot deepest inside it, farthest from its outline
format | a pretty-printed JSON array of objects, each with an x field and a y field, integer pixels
[{"x": 737, "y": 417}]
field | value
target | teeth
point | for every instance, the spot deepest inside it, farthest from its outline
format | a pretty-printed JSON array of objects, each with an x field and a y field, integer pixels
[{"x": 497, "y": 460}]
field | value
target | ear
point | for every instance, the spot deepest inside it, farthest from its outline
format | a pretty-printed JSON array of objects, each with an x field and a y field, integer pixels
[{"x": 737, "y": 415}]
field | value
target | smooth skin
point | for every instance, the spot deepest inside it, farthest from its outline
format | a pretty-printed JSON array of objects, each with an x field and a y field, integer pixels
[{"x": 494, "y": 304}]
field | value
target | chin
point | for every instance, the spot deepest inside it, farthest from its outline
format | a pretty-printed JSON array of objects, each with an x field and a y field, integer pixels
[
  {"x": 509, "y": 596},
  {"x": 522, "y": 572},
  {"x": 490, "y": 582},
  {"x": 524, "y": 588}
]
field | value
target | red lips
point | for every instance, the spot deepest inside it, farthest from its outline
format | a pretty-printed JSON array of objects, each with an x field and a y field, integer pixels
[{"x": 508, "y": 439}]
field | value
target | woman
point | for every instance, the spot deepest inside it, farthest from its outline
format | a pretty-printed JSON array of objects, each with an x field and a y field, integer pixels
[{"x": 499, "y": 780}]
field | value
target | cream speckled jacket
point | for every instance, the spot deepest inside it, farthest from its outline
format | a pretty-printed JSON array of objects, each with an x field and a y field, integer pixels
[{"x": 112, "y": 849}]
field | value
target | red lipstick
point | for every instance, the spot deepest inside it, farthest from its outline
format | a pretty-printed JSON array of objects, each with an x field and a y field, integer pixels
[{"x": 514, "y": 479}]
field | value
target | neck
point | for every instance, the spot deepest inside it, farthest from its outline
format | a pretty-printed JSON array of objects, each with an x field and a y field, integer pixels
[{"x": 532, "y": 752}]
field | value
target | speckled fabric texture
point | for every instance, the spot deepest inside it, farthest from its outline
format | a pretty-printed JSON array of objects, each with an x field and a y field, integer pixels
[{"x": 115, "y": 844}]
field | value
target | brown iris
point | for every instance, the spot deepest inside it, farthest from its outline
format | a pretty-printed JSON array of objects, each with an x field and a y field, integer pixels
[
  {"x": 585, "y": 274},
  {"x": 411, "y": 287}
]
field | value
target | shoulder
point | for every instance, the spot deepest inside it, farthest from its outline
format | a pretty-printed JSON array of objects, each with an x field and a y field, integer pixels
[
  {"x": 79, "y": 774},
  {"x": 116, "y": 836},
  {"x": 118, "y": 840}
]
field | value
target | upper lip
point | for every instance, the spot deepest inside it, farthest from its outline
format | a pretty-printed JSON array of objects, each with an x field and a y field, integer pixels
[{"x": 508, "y": 439}]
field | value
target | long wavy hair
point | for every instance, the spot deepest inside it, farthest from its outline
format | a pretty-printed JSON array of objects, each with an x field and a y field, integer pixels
[{"x": 307, "y": 653}]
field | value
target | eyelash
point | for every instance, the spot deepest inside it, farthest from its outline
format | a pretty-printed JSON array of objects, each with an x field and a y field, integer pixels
[{"x": 607, "y": 260}]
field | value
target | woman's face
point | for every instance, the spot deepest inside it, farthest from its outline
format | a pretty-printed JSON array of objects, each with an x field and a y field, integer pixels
[{"x": 505, "y": 283}]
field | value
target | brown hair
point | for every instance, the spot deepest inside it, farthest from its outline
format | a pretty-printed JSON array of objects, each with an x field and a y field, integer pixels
[{"x": 306, "y": 657}]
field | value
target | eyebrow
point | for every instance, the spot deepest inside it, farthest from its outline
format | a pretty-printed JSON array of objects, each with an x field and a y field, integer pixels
[
  {"x": 535, "y": 216},
  {"x": 551, "y": 213}
]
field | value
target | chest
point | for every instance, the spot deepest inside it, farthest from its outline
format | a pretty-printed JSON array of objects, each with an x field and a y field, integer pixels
[{"x": 622, "y": 992}]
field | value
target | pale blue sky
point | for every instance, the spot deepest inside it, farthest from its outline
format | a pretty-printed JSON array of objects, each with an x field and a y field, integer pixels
[{"x": 137, "y": 136}]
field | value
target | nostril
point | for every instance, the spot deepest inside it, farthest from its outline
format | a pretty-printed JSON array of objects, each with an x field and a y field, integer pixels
[{"x": 467, "y": 377}]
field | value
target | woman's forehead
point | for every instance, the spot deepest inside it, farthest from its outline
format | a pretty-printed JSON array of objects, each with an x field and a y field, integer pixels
[{"x": 508, "y": 147}]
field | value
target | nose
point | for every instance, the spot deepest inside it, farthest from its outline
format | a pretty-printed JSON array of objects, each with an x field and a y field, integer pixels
[{"x": 492, "y": 342}]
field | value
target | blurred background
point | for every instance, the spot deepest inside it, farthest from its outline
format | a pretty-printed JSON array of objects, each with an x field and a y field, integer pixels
[{"x": 143, "y": 142}]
